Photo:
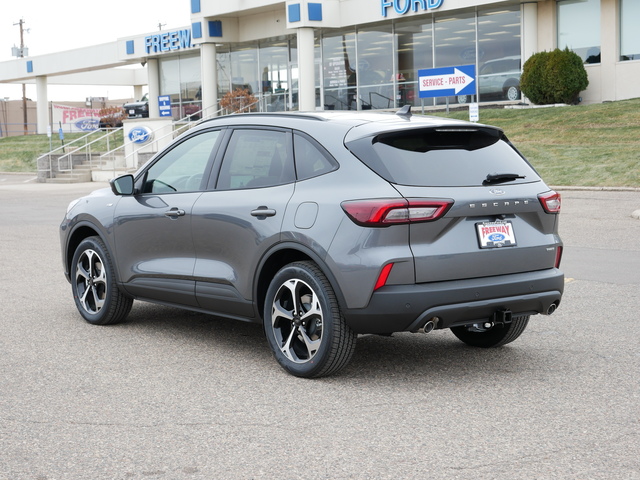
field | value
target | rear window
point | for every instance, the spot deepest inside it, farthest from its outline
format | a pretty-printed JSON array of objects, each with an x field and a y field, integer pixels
[{"x": 444, "y": 157}]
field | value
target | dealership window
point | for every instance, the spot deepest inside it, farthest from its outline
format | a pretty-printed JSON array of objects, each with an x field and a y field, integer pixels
[
  {"x": 455, "y": 44},
  {"x": 339, "y": 71},
  {"x": 244, "y": 68},
  {"x": 275, "y": 83},
  {"x": 414, "y": 52},
  {"x": 499, "y": 63},
  {"x": 629, "y": 33},
  {"x": 180, "y": 79},
  {"x": 579, "y": 28},
  {"x": 375, "y": 67}
]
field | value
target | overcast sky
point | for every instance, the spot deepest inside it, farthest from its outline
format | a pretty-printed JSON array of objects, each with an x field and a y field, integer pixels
[{"x": 55, "y": 26}]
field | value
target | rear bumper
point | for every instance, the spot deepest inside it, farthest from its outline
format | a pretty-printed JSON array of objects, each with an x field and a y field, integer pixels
[{"x": 397, "y": 308}]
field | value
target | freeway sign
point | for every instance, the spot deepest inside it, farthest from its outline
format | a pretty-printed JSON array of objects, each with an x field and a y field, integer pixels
[{"x": 447, "y": 81}]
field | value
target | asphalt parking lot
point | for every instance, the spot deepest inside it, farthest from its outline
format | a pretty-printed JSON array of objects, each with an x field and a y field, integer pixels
[{"x": 179, "y": 395}]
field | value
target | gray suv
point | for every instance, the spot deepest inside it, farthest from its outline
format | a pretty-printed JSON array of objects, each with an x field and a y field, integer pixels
[{"x": 322, "y": 226}]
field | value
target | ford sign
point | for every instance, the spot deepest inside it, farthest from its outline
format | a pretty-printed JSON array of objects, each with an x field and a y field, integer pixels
[
  {"x": 87, "y": 124},
  {"x": 140, "y": 135}
]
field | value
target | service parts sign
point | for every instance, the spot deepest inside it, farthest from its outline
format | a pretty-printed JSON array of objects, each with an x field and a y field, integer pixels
[{"x": 76, "y": 119}]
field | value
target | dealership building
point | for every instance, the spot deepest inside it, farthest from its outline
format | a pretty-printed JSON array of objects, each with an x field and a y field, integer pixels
[{"x": 347, "y": 54}]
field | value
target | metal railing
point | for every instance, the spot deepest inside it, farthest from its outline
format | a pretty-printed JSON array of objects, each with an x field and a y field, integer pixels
[
  {"x": 65, "y": 155},
  {"x": 115, "y": 159}
]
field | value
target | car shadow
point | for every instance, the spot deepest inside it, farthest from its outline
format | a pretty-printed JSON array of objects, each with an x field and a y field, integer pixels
[{"x": 435, "y": 357}]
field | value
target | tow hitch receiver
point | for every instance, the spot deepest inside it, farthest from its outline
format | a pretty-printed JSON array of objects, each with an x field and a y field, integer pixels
[{"x": 502, "y": 317}]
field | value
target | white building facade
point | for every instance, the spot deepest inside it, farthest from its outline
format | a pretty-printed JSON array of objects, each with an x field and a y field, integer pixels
[{"x": 350, "y": 54}]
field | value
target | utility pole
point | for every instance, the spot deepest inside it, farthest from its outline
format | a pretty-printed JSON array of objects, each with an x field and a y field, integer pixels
[{"x": 24, "y": 88}]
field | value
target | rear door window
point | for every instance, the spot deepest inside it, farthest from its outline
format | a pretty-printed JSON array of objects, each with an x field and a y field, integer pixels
[
  {"x": 257, "y": 158},
  {"x": 443, "y": 157}
]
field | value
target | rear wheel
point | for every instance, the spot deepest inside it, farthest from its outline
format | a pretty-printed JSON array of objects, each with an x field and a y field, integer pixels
[
  {"x": 489, "y": 335},
  {"x": 303, "y": 323},
  {"x": 93, "y": 284},
  {"x": 512, "y": 93}
]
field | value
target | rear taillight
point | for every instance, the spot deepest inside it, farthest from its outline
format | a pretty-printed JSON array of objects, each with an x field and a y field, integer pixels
[
  {"x": 551, "y": 202},
  {"x": 386, "y": 212}
]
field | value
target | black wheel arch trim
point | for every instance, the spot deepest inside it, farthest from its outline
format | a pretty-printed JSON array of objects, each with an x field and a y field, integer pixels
[
  {"x": 302, "y": 250},
  {"x": 98, "y": 232}
]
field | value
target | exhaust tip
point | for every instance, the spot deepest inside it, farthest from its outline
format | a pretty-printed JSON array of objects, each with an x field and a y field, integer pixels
[
  {"x": 430, "y": 325},
  {"x": 552, "y": 308}
]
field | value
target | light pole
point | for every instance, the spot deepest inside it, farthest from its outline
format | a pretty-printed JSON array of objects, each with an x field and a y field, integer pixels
[{"x": 20, "y": 54}]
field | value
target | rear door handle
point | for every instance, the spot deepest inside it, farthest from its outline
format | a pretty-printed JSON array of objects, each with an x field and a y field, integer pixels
[
  {"x": 174, "y": 212},
  {"x": 263, "y": 212}
]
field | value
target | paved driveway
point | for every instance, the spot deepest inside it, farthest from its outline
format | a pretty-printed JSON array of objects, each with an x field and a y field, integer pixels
[{"x": 179, "y": 395}]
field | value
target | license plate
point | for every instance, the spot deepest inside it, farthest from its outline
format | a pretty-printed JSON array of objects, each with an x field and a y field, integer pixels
[
  {"x": 495, "y": 234},
  {"x": 132, "y": 112}
]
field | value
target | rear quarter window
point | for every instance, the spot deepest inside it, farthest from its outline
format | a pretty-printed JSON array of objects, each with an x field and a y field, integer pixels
[{"x": 442, "y": 157}]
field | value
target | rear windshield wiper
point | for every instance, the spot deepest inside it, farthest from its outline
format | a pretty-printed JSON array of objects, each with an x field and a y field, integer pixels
[{"x": 500, "y": 177}]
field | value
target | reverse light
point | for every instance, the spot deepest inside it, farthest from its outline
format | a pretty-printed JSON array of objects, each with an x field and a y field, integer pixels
[
  {"x": 551, "y": 201},
  {"x": 385, "y": 212}
]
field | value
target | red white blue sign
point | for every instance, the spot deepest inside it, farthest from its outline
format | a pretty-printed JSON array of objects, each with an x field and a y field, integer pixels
[{"x": 447, "y": 81}]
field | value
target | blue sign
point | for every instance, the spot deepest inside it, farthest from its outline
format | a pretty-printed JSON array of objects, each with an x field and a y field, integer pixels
[
  {"x": 140, "y": 135},
  {"x": 164, "y": 103},
  {"x": 167, "y": 41},
  {"x": 403, "y": 6},
  {"x": 447, "y": 81}
]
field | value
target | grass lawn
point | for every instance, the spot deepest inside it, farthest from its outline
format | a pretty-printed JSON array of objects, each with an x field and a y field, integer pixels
[{"x": 583, "y": 145}]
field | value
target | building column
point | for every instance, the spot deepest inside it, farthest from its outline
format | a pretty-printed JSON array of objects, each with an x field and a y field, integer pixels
[
  {"x": 137, "y": 92},
  {"x": 529, "y": 30},
  {"x": 209, "y": 75},
  {"x": 306, "y": 70},
  {"x": 153, "y": 78},
  {"x": 42, "y": 105}
]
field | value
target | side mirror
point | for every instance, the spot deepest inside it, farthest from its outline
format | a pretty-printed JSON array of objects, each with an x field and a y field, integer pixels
[{"x": 122, "y": 185}]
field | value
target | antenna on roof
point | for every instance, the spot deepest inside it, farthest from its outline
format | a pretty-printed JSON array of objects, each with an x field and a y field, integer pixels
[{"x": 404, "y": 112}]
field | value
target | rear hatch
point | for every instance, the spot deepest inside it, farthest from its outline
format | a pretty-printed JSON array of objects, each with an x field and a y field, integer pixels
[{"x": 497, "y": 224}]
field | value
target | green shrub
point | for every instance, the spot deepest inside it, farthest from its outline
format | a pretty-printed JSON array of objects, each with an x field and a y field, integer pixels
[{"x": 553, "y": 77}]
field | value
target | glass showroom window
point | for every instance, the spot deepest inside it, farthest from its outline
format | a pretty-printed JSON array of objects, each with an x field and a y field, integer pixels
[
  {"x": 579, "y": 28},
  {"x": 180, "y": 79},
  {"x": 223, "y": 61},
  {"x": 455, "y": 44},
  {"x": 376, "y": 68},
  {"x": 244, "y": 68},
  {"x": 415, "y": 52},
  {"x": 190, "y": 88},
  {"x": 499, "y": 54},
  {"x": 339, "y": 71},
  {"x": 275, "y": 83},
  {"x": 629, "y": 33}
]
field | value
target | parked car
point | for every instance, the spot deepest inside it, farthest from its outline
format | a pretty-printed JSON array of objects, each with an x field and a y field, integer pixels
[
  {"x": 498, "y": 79},
  {"x": 322, "y": 226},
  {"x": 139, "y": 109}
]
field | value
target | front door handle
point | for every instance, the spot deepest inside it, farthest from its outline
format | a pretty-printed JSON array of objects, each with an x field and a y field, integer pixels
[
  {"x": 174, "y": 212},
  {"x": 263, "y": 212}
]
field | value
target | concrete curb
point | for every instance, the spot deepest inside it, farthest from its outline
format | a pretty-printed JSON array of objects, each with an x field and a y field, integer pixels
[{"x": 597, "y": 189}]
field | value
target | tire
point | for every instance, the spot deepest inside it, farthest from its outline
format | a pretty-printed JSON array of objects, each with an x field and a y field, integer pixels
[
  {"x": 93, "y": 284},
  {"x": 495, "y": 336},
  {"x": 303, "y": 323},
  {"x": 512, "y": 93}
]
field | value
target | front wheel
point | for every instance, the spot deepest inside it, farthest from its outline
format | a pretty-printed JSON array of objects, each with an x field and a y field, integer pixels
[
  {"x": 489, "y": 335},
  {"x": 93, "y": 284},
  {"x": 303, "y": 323}
]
